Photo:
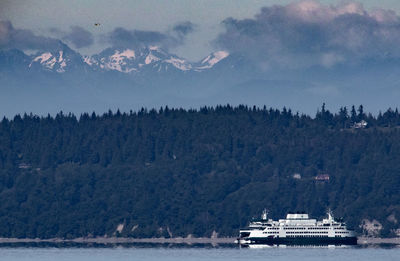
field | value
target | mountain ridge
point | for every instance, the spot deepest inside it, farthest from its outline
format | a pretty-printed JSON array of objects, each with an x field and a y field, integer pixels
[
  {"x": 125, "y": 60},
  {"x": 131, "y": 78}
]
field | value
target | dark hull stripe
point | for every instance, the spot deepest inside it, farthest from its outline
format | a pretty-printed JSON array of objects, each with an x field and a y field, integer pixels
[{"x": 305, "y": 241}]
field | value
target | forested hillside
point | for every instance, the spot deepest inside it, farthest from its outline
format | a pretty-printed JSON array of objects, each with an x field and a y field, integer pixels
[{"x": 176, "y": 172}]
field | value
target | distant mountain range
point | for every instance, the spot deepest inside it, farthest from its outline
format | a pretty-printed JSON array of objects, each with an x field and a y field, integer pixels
[
  {"x": 123, "y": 60},
  {"x": 125, "y": 78}
]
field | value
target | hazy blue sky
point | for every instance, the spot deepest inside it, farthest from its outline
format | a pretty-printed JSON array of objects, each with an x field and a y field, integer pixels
[
  {"x": 156, "y": 15},
  {"x": 338, "y": 52}
]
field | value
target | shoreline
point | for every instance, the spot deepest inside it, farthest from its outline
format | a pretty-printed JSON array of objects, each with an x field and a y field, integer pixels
[
  {"x": 177, "y": 240},
  {"x": 124, "y": 240}
]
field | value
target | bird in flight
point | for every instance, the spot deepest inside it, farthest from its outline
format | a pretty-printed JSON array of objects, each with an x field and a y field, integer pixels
[{"x": 96, "y": 24}]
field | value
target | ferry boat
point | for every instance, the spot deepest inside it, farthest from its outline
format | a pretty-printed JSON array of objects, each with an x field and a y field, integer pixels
[{"x": 297, "y": 229}]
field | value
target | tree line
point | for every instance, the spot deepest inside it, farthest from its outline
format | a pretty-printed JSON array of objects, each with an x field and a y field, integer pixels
[{"x": 175, "y": 172}]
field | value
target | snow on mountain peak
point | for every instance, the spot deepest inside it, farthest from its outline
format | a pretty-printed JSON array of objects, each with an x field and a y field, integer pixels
[
  {"x": 154, "y": 48},
  {"x": 52, "y": 61},
  {"x": 119, "y": 57},
  {"x": 60, "y": 58},
  {"x": 89, "y": 60},
  {"x": 62, "y": 62},
  {"x": 179, "y": 63},
  {"x": 128, "y": 53},
  {"x": 213, "y": 59},
  {"x": 151, "y": 58},
  {"x": 45, "y": 59},
  {"x": 119, "y": 60}
]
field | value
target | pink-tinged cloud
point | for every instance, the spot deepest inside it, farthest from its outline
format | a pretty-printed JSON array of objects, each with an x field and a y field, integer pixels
[{"x": 309, "y": 33}]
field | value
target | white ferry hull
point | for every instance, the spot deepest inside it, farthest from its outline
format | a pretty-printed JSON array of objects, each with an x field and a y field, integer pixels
[{"x": 303, "y": 241}]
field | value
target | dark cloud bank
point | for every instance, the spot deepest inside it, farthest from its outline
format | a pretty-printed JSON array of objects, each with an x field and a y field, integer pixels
[
  {"x": 121, "y": 37},
  {"x": 23, "y": 39},
  {"x": 11, "y": 37},
  {"x": 184, "y": 28},
  {"x": 307, "y": 33},
  {"x": 79, "y": 37}
]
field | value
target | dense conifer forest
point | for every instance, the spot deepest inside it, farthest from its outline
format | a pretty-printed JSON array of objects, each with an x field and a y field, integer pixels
[{"x": 175, "y": 172}]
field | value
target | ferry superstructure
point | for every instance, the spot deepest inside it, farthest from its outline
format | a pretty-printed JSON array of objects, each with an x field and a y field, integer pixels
[{"x": 297, "y": 229}]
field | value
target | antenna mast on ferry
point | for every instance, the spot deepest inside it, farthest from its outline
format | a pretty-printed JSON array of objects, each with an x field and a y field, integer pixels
[
  {"x": 330, "y": 215},
  {"x": 264, "y": 214}
]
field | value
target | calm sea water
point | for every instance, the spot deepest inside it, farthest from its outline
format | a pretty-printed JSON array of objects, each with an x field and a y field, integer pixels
[{"x": 197, "y": 253}]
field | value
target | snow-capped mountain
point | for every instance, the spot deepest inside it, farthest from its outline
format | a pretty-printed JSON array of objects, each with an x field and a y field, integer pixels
[
  {"x": 114, "y": 60},
  {"x": 150, "y": 59},
  {"x": 52, "y": 62},
  {"x": 59, "y": 60},
  {"x": 211, "y": 60},
  {"x": 145, "y": 59}
]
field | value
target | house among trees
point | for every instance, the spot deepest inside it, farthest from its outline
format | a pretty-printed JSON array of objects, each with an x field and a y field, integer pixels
[
  {"x": 360, "y": 125},
  {"x": 296, "y": 176},
  {"x": 322, "y": 177},
  {"x": 24, "y": 166}
]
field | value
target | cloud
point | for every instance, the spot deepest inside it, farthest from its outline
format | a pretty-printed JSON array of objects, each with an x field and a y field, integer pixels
[
  {"x": 121, "y": 37},
  {"x": 79, "y": 37},
  {"x": 184, "y": 28},
  {"x": 11, "y": 37},
  {"x": 308, "y": 33}
]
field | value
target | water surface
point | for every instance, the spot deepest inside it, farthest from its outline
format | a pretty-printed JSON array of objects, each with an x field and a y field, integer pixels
[{"x": 191, "y": 253}]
